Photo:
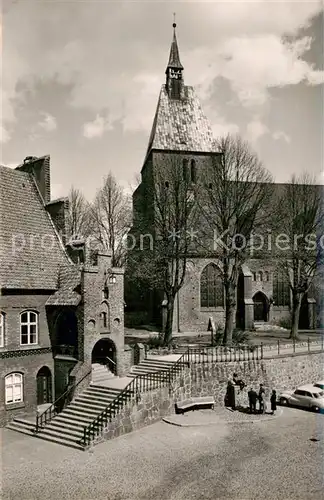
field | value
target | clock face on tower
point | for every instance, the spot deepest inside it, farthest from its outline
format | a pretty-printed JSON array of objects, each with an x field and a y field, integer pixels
[{"x": 175, "y": 73}]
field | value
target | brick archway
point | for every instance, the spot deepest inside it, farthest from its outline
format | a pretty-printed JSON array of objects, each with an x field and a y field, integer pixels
[
  {"x": 104, "y": 352},
  {"x": 261, "y": 307}
]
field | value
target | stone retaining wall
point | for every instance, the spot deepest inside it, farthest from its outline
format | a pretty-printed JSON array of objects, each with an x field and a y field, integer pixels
[{"x": 211, "y": 379}]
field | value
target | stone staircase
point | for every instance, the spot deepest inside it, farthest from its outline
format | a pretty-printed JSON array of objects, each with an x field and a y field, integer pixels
[
  {"x": 101, "y": 373},
  {"x": 66, "y": 428},
  {"x": 154, "y": 364}
]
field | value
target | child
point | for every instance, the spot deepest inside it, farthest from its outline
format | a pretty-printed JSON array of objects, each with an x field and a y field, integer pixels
[{"x": 273, "y": 401}]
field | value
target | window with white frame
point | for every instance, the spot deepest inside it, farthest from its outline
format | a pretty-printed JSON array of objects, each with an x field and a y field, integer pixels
[
  {"x": 2, "y": 329},
  {"x": 14, "y": 388},
  {"x": 28, "y": 328}
]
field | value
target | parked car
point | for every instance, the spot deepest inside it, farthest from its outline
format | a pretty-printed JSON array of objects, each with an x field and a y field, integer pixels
[
  {"x": 320, "y": 384},
  {"x": 306, "y": 396}
]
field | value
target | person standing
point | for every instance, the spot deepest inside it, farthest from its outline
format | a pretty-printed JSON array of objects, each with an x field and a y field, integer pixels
[
  {"x": 252, "y": 395},
  {"x": 261, "y": 398},
  {"x": 273, "y": 401},
  {"x": 230, "y": 395}
]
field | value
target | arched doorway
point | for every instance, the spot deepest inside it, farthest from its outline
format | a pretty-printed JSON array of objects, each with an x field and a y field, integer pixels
[
  {"x": 66, "y": 329},
  {"x": 104, "y": 353},
  {"x": 260, "y": 307},
  {"x": 44, "y": 386}
]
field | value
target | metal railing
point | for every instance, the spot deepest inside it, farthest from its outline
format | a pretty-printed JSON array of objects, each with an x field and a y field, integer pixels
[
  {"x": 58, "y": 405},
  {"x": 139, "y": 384}
]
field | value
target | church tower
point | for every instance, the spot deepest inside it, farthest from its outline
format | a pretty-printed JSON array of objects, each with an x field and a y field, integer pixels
[{"x": 174, "y": 78}]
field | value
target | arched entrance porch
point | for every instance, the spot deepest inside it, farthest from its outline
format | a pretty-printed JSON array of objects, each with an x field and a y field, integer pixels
[
  {"x": 260, "y": 307},
  {"x": 66, "y": 333},
  {"x": 44, "y": 386},
  {"x": 104, "y": 353}
]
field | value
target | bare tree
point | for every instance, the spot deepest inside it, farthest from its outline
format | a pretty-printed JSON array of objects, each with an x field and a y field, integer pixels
[
  {"x": 111, "y": 215},
  {"x": 163, "y": 266},
  {"x": 299, "y": 252},
  {"x": 78, "y": 220},
  {"x": 234, "y": 203}
]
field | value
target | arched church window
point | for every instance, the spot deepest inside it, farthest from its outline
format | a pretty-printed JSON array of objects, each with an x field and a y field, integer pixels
[
  {"x": 104, "y": 316},
  {"x": 266, "y": 275},
  {"x": 254, "y": 276},
  {"x": 281, "y": 289},
  {"x": 211, "y": 287},
  {"x": 193, "y": 171},
  {"x": 260, "y": 276}
]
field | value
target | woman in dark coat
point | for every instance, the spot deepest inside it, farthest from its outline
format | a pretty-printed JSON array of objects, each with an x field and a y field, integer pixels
[{"x": 273, "y": 401}]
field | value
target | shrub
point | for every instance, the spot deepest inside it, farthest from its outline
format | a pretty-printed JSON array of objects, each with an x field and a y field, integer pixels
[
  {"x": 155, "y": 342},
  {"x": 240, "y": 337},
  {"x": 285, "y": 323}
]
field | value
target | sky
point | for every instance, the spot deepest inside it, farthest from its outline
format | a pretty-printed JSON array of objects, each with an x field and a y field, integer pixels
[{"x": 81, "y": 79}]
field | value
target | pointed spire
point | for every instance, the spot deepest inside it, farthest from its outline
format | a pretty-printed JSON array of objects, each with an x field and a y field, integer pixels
[{"x": 174, "y": 59}]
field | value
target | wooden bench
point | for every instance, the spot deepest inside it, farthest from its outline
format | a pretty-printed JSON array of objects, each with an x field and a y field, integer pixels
[{"x": 194, "y": 404}]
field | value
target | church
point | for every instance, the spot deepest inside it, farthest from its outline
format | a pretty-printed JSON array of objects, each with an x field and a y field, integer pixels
[{"x": 181, "y": 130}]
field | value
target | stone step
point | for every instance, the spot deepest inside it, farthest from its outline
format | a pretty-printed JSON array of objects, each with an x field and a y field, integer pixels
[
  {"x": 19, "y": 427},
  {"x": 96, "y": 399},
  {"x": 77, "y": 420},
  {"x": 75, "y": 433},
  {"x": 88, "y": 409},
  {"x": 101, "y": 388},
  {"x": 77, "y": 412},
  {"x": 92, "y": 404},
  {"x": 60, "y": 440}
]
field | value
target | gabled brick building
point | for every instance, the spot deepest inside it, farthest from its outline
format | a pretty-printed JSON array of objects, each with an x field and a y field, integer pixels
[
  {"x": 181, "y": 131},
  {"x": 61, "y": 303}
]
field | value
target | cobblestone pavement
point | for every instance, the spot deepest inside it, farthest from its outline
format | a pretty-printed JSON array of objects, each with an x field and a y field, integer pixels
[
  {"x": 275, "y": 460},
  {"x": 218, "y": 416}
]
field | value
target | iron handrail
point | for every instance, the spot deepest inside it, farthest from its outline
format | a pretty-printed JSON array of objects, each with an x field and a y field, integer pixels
[
  {"x": 55, "y": 408},
  {"x": 133, "y": 388}
]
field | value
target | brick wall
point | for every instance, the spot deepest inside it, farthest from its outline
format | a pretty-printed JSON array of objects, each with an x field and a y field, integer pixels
[
  {"x": 206, "y": 380},
  {"x": 29, "y": 367}
]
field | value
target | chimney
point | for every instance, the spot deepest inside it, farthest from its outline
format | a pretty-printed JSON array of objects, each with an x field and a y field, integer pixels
[{"x": 39, "y": 168}]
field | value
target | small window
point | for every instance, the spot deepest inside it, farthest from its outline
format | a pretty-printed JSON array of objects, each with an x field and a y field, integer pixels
[
  {"x": 298, "y": 392},
  {"x": 210, "y": 186},
  {"x": 254, "y": 276},
  {"x": 14, "y": 388},
  {"x": 266, "y": 275},
  {"x": 166, "y": 184},
  {"x": 28, "y": 328},
  {"x": 2, "y": 329},
  {"x": 185, "y": 172},
  {"x": 104, "y": 319},
  {"x": 260, "y": 276},
  {"x": 105, "y": 292},
  {"x": 193, "y": 171}
]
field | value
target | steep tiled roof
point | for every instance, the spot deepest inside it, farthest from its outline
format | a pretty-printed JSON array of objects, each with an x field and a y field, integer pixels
[
  {"x": 30, "y": 249},
  {"x": 69, "y": 281},
  {"x": 181, "y": 125}
]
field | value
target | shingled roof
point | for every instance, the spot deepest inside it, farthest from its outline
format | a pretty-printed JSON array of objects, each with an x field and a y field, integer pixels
[
  {"x": 31, "y": 252},
  {"x": 69, "y": 287},
  {"x": 181, "y": 125}
]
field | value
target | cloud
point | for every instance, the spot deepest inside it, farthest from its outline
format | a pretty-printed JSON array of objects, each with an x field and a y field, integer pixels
[
  {"x": 256, "y": 129},
  {"x": 97, "y": 127},
  {"x": 113, "y": 68},
  {"x": 280, "y": 134},
  {"x": 48, "y": 123}
]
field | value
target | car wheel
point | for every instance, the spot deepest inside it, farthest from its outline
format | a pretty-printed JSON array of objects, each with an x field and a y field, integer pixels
[
  {"x": 315, "y": 408},
  {"x": 284, "y": 401}
]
